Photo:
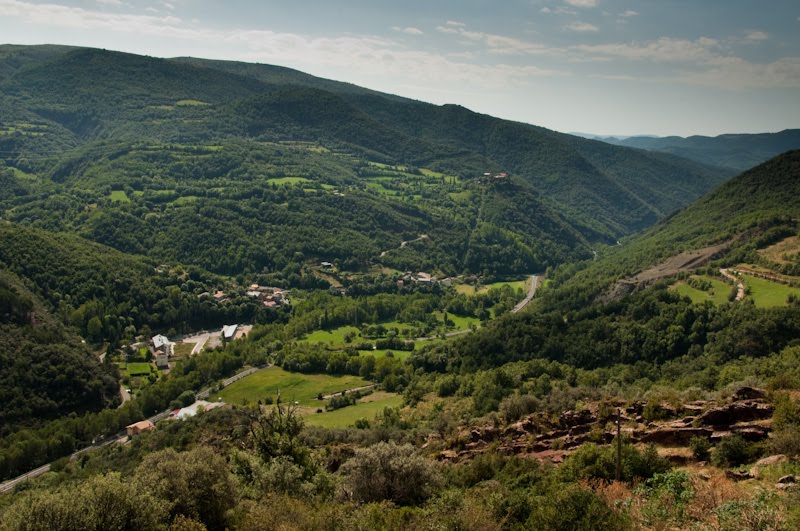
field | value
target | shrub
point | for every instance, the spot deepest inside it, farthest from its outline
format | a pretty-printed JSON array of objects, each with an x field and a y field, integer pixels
[
  {"x": 575, "y": 508},
  {"x": 667, "y": 497},
  {"x": 516, "y": 406},
  {"x": 591, "y": 461},
  {"x": 386, "y": 471},
  {"x": 734, "y": 451},
  {"x": 701, "y": 448}
]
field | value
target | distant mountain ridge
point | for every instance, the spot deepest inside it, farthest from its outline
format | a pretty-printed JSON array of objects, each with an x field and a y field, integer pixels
[{"x": 737, "y": 151}]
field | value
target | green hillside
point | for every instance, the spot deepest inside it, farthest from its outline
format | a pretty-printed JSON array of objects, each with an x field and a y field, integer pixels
[
  {"x": 197, "y": 147},
  {"x": 584, "y": 319},
  {"x": 46, "y": 371}
]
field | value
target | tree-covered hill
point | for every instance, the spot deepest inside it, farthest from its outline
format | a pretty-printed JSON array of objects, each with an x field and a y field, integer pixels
[
  {"x": 574, "y": 321},
  {"x": 188, "y": 137},
  {"x": 737, "y": 151},
  {"x": 47, "y": 372}
]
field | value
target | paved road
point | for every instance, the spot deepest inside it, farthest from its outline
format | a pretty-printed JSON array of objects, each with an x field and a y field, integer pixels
[
  {"x": 534, "y": 285},
  {"x": 119, "y": 437}
]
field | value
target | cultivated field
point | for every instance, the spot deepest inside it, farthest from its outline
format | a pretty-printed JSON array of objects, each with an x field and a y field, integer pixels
[
  {"x": 366, "y": 408},
  {"x": 294, "y": 387},
  {"x": 718, "y": 293}
]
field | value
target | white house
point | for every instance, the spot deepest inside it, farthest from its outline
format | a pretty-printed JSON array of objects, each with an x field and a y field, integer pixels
[{"x": 229, "y": 332}]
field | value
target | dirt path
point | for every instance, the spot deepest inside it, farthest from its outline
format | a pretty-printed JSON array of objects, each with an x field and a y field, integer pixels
[
  {"x": 739, "y": 286},
  {"x": 404, "y": 243}
]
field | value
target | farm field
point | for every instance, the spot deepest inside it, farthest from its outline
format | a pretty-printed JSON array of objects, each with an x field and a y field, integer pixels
[
  {"x": 718, "y": 294},
  {"x": 119, "y": 195},
  {"x": 399, "y": 354},
  {"x": 467, "y": 289},
  {"x": 334, "y": 337},
  {"x": 367, "y": 408},
  {"x": 138, "y": 369},
  {"x": 294, "y": 387},
  {"x": 768, "y": 294},
  {"x": 288, "y": 180}
]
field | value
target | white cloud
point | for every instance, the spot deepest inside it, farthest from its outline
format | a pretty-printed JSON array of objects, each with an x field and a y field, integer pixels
[
  {"x": 546, "y": 9},
  {"x": 582, "y": 3},
  {"x": 500, "y": 44},
  {"x": 661, "y": 50},
  {"x": 408, "y": 31},
  {"x": 110, "y": 2},
  {"x": 755, "y": 36},
  {"x": 454, "y": 24},
  {"x": 629, "y": 13},
  {"x": 581, "y": 27},
  {"x": 736, "y": 73}
]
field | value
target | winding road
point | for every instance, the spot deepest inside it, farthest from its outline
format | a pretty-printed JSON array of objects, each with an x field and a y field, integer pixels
[{"x": 119, "y": 437}]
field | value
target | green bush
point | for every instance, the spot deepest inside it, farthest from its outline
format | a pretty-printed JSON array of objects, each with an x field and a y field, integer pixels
[
  {"x": 387, "y": 471},
  {"x": 591, "y": 461},
  {"x": 575, "y": 508},
  {"x": 701, "y": 448},
  {"x": 734, "y": 451}
]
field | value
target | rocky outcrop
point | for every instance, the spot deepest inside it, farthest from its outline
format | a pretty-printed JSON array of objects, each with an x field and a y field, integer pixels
[
  {"x": 544, "y": 438},
  {"x": 740, "y": 411}
]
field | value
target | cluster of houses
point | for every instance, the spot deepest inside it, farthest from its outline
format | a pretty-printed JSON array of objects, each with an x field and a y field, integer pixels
[
  {"x": 270, "y": 297},
  {"x": 179, "y": 414}
]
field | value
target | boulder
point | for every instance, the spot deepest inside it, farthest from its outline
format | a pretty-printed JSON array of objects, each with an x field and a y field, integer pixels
[
  {"x": 742, "y": 411},
  {"x": 737, "y": 475},
  {"x": 749, "y": 393},
  {"x": 776, "y": 459},
  {"x": 786, "y": 480}
]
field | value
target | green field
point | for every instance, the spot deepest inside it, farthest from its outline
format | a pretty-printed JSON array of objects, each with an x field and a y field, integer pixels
[
  {"x": 185, "y": 200},
  {"x": 119, "y": 195},
  {"x": 138, "y": 369},
  {"x": 467, "y": 289},
  {"x": 191, "y": 103},
  {"x": 718, "y": 294},
  {"x": 399, "y": 354},
  {"x": 334, "y": 337},
  {"x": 342, "y": 418},
  {"x": 294, "y": 387},
  {"x": 288, "y": 180},
  {"x": 461, "y": 197},
  {"x": 768, "y": 294}
]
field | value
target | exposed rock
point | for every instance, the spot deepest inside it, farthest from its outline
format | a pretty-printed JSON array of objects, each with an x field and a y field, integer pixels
[
  {"x": 742, "y": 411},
  {"x": 751, "y": 432},
  {"x": 737, "y": 475},
  {"x": 749, "y": 393},
  {"x": 569, "y": 419},
  {"x": 791, "y": 478},
  {"x": 772, "y": 460},
  {"x": 448, "y": 455},
  {"x": 767, "y": 461},
  {"x": 672, "y": 435}
]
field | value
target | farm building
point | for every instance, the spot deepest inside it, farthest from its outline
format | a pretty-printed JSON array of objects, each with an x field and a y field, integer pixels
[{"x": 138, "y": 427}]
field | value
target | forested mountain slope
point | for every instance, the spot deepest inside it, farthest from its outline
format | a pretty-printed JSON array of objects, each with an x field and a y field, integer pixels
[
  {"x": 576, "y": 322},
  {"x": 46, "y": 371},
  {"x": 184, "y": 138}
]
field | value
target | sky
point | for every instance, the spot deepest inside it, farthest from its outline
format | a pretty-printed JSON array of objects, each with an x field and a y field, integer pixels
[{"x": 607, "y": 67}]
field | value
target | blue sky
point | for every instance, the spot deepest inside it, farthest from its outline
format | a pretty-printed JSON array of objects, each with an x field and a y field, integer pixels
[{"x": 599, "y": 66}]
